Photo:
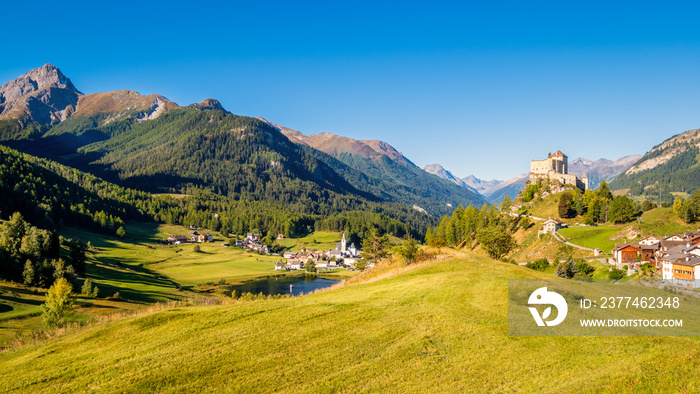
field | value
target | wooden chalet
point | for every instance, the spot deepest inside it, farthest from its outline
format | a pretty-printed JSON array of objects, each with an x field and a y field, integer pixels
[
  {"x": 177, "y": 239},
  {"x": 626, "y": 253}
]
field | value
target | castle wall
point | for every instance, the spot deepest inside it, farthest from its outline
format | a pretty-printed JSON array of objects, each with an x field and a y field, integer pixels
[
  {"x": 541, "y": 166},
  {"x": 555, "y": 168}
]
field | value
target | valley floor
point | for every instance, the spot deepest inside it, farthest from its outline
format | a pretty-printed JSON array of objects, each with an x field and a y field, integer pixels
[
  {"x": 434, "y": 326},
  {"x": 141, "y": 270}
]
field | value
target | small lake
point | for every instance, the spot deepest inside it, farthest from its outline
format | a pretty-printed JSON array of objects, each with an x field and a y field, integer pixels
[{"x": 281, "y": 285}]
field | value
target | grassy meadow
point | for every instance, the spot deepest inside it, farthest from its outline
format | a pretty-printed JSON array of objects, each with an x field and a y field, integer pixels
[
  {"x": 660, "y": 222},
  {"x": 320, "y": 240},
  {"x": 141, "y": 270},
  {"x": 593, "y": 237},
  {"x": 435, "y": 326}
]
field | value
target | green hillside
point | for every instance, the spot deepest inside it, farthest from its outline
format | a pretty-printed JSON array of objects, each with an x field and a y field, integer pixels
[
  {"x": 218, "y": 156},
  {"x": 376, "y": 167},
  {"x": 440, "y": 325},
  {"x": 671, "y": 166}
]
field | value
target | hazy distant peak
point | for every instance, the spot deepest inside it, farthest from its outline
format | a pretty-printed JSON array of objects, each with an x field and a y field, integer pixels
[{"x": 601, "y": 169}]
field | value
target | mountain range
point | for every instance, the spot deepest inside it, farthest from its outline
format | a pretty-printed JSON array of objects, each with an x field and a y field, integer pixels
[
  {"x": 376, "y": 167},
  {"x": 151, "y": 143},
  {"x": 671, "y": 166},
  {"x": 494, "y": 190}
]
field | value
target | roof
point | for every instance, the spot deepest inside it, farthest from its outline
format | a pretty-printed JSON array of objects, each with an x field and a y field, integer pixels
[
  {"x": 559, "y": 154},
  {"x": 550, "y": 220},
  {"x": 689, "y": 261},
  {"x": 671, "y": 244},
  {"x": 623, "y": 246}
]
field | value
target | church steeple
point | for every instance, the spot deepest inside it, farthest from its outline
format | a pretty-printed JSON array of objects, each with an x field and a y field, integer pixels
[{"x": 343, "y": 244}]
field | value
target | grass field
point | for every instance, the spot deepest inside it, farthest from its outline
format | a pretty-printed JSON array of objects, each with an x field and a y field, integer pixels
[
  {"x": 214, "y": 262},
  {"x": 438, "y": 326},
  {"x": 548, "y": 207},
  {"x": 660, "y": 222},
  {"x": 144, "y": 269},
  {"x": 593, "y": 237},
  {"x": 319, "y": 240},
  {"x": 140, "y": 268}
]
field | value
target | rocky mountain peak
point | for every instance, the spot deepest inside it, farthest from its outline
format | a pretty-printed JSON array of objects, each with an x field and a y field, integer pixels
[
  {"x": 43, "y": 95},
  {"x": 210, "y": 103}
]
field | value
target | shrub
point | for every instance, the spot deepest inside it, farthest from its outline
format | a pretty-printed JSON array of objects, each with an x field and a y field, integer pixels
[
  {"x": 59, "y": 300},
  {"x": 526, "y": 223},
  {"x": 616, "y": 274},
  {"x": 88, "y": 289},
  {"x": 538, "y": 265}
]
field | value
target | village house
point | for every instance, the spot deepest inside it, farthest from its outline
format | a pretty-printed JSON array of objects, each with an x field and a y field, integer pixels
[
  {"x": 681, "y": 270},
  {"x": 552, "y": 225},
  {"x": 280, "y": 265},
  {"x": 259, "y": 248},
  {"x": 626, "y": 254},
  {"x": 676, "y": 257},
  {"x": 280, "y": 236},
  {"x": 205, "y": 237},
  {"x": 295, "y": 264},
  {"x": 177, "y": 239},
  {"x": 322, "y": 264},
  {"x": 289, "y": 255}
]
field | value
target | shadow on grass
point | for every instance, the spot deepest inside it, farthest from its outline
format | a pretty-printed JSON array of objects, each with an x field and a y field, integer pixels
[
  {"x": 19, "y": 300},
  {"x": 119, "y": 271}
]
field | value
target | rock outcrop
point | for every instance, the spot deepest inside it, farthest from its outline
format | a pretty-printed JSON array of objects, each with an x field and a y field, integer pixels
[{"x": 42, "y": 95}]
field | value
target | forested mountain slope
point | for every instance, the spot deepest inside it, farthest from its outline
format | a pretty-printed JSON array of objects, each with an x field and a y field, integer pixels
[
  {"x": 672, "y": 166},
  {"x": 388, "y": 173}
]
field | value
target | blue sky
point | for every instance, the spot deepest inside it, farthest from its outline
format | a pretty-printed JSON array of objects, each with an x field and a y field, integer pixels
[{"x": 479, "y": 87}]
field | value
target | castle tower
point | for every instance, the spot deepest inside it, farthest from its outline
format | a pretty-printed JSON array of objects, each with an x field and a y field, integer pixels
[
  {"x": 560, "y": 162},
  {"x": 343, "y": 244}
]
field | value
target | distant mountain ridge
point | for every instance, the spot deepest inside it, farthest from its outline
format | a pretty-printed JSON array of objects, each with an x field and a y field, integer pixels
[
  {"x": 377, "y": 167},
  {"x": 123, "y": 103},
  {"x": 438, "y": 170},
  {"x": 671, "y": 166},
  {"x": 494, "y": 190},
  {"x": 601, "y": 169},
  {"x": 481, "y": 186},
  {"x": 334, "y": 144}
]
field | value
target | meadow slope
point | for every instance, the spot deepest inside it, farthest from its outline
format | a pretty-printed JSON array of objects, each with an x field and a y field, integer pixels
[{"x": 440, "y": 325}]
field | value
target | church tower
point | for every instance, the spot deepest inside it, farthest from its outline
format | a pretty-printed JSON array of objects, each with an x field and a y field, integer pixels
[{"x": 343, "y": 244}]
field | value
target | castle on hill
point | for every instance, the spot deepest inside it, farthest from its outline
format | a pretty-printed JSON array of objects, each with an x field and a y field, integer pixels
[{"x": 556, "y": 168}]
